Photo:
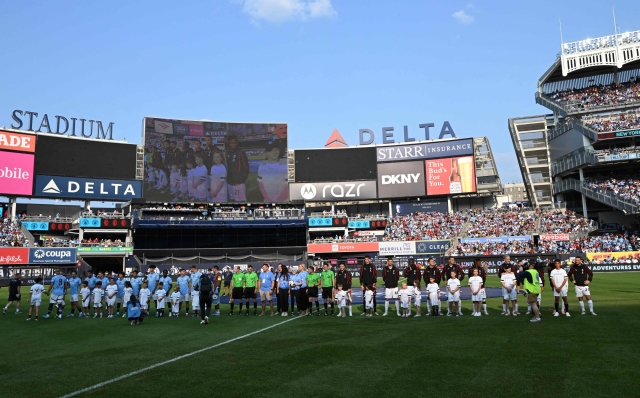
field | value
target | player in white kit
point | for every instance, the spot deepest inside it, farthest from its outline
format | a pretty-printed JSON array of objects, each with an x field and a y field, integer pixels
[
  {"x": 509, "y": 292},
  {"x": 35, "y": 297},
  {"x": 145, "y": 296},
  {"x": 560, "y": 282},
  {"x": 433, "y": 291},
  {"x": 417, "y": 297},
  {"x": 475, "y": 283},
  {"x": 404, "y": 295},
  {"x": 98, "y": 295},
  {"x": 85, "y": 297},
  {"x": 195, "y": 304},
  {"x": 341, "y": 300},
  {"x": 175, "y": 301},
  {"x": 453, "y": 294},
  {"x": 161, "y": 294},
  {"x": 218, "y": 180}
]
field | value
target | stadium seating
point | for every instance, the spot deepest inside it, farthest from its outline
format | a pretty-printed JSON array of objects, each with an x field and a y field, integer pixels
[
  {"x": 626, "y": 187},
  {"x": 10, "y": 234},
  {"x": 425, "y": 226},
  {"x": 595, "y": 96},
  {"x": 494, "y": 223},
  {"x": 561, "y": 222},
  {"x": 606, "y": 122}
]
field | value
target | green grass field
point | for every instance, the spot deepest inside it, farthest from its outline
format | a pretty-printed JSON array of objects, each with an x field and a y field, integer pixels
[{"x": 494, "y": 356}]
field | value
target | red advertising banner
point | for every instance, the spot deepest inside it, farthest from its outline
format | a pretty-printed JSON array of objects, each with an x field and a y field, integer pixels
[
  {"x": 17, "y": 142},
  {"x": 355, "y": 247},
  {"x": 14, "y": 255},
  {"x": 450, "y": 176},
  {"x": 550, "y": 237}
]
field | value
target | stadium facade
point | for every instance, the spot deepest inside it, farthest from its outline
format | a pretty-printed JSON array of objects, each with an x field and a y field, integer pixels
[{"x": 590, "y": 136}]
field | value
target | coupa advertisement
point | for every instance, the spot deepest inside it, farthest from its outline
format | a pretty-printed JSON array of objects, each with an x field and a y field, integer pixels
[
  {"x": 52, "y": 255},
  {"x": 37, "y": 256}
]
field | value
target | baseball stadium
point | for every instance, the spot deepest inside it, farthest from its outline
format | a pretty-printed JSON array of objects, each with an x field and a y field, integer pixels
[{"x": 212, "y": 258}]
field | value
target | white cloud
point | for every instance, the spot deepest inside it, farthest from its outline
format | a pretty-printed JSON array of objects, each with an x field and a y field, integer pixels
[
  {"x": 462, "y": 17},
  {"x": 285, "y": 10}
]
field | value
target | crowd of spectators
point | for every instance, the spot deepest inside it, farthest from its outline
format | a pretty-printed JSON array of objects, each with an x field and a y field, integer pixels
[
  {"x": 102, "y": 242},
  {"x": 11, "y": 235},
  {"x": 52, "y": 241},
  {"x": 493, "y": 248},
  {"x": 425, "y": 226},
  {"x": 621, "y": 121},
  {"x": 495, "y": 222},
  {"x": 563, "y": 222},
  {"x": 599, "y": 95},
  {"x": 626, "y": 187}
]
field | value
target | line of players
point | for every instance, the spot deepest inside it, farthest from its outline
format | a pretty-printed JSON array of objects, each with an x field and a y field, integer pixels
[
  {"x": 303, "y": 288},
  {"x": 114, "y": 292}
]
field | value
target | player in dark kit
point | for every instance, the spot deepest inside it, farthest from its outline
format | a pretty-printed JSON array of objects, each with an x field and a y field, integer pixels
[
  {"x": 450, "y": 267},
  {"x": 581, "y": 276},
  {"x": 369, "y": 277},
  {"x": 343, "y": 277},
  {"x": 390, "y": 277},
  {"x": 412, "y": 273},
  {"x": 14, "y": 293},
  {"x": 477, "y": 264}
]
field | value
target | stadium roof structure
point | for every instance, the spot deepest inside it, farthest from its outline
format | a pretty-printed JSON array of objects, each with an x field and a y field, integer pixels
[
  {"x": 601, "y": 61},
  {"x": 556, "y": 150},
  {"x": 336, "y": 140}
]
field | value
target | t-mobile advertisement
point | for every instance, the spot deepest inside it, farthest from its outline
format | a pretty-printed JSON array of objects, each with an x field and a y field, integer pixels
[
  {"x": 16, "y": 173},
  {"x": 450, "y": 176}
]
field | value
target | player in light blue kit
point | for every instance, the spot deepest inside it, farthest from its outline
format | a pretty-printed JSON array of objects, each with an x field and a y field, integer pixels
[
  {"x": 120, "y": 283},
  {"x": 183, "y": 282},
  {"x": 152, "y": 283},
  {"x": 72, "y": 284},
  {"x": 58, "y": 284},
  {"x": 91, "y": 282},
  {"x": 136, "y": 283}
]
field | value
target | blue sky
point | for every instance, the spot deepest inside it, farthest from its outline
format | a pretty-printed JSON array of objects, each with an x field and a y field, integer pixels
[{"x": 316, "y": 64}]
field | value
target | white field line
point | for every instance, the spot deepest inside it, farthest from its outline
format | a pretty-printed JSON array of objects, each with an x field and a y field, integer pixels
[{"x": 136, "y": 372}]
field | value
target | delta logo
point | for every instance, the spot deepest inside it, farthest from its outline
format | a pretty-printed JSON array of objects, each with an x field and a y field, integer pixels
[{"x": 87, "y": 188}]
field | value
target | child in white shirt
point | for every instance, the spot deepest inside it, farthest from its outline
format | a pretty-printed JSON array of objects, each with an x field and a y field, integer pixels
[
  {"x": 174, "y": 180},
  {"x": 195, "y": 304},
  {"x": 453, "y": 294},
  {"x": 128, "y": 292},
  {"x": 417, "y": 297},
  {"x": 405, "y": 300},
  {"x": 341, "y": 300},
  {"x": 111, "y": 291},
  {"x": 145, "y": 295},
  {"x": 160, "y": 296},
  {"x": 433, "y": 290},
  {"x": 175, "y": 301},
  {"x": 35, "y": 297},
  {"x": 368, "y": 300},
  {"x": 475, "y": 283},
  {"x": 85, "y": 295},
  {"x": 98, "y": 295}
]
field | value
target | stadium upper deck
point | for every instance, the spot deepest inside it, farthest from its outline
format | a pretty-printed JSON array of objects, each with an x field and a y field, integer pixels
[{"x": 593, "y": 90}]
